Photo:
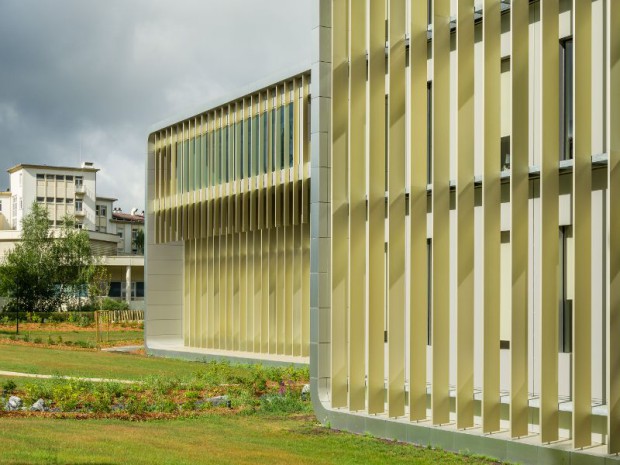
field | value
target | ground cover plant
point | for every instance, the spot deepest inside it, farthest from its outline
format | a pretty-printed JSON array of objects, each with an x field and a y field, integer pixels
[{"x": 242, "y": 389}]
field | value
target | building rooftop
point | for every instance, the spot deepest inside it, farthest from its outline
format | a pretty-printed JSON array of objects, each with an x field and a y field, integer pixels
[
  {"x": 127, "y": 217},
  {"x": 86, "y": 166}
]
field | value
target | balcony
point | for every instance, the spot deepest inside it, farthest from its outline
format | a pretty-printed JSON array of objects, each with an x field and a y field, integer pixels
[
  {"x": 80, "y": 189},
  {"x": 80, "y": 213}
]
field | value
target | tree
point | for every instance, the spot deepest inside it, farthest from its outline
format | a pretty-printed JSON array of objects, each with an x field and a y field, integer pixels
[
  {"x": 138, "y": 241},
  {"x": 99, "y": 285},
  {"x": 46, "y": 268}
]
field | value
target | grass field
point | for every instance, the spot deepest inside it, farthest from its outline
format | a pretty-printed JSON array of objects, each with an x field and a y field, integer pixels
[
  {"x": 213, "y": 439},
  {"x": 216, "y": 437},
  {"x": 42, "y": 360}
]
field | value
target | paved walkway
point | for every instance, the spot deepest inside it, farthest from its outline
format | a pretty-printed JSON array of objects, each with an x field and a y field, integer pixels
[
  {"x": 123, "y": 349},
  {"x": 94, "y": 380}
]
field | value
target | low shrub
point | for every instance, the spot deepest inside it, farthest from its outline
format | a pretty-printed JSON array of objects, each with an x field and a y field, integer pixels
[
  {"x": 111, "y": 304},
  {"x": 9, "y": 386}
]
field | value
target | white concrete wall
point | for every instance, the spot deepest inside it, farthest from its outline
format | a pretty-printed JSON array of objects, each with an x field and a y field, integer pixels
[{"x": 163, "y": 275}]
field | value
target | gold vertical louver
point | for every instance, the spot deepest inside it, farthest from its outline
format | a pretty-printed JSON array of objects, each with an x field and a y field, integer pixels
[
  {"x": 548, "y": 220},
  {"x": 465, "y": 215},
  {"x": 519, "y": 202},
  {"x": 418, "y": 275},
  {"x": 440, "y": 301},
  {"x": 357, "y": 202},
  {"x": 613, "y": 227},
  {"x": 376, "y": 206},
  {"x": 396, "y": 213},
  {"x": 582, "y": 225},
  {"x": 339, "y": 203},
  {"x": 491, "y": 216}
]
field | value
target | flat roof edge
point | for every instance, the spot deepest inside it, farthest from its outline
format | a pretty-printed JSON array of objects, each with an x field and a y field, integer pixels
[{"x": 248, "y": 89}]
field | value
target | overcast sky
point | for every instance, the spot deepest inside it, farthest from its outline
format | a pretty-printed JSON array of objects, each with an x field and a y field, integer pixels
[{"x": 97, "y": 74}]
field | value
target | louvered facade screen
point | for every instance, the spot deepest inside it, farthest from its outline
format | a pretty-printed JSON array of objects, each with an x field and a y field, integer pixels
[
  {"x": 231, "y": 186},
  {"x": 473, "y": 274}
]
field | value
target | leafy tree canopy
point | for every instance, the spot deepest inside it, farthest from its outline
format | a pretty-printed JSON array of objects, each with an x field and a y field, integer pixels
[{"x": 48, "y": 267}]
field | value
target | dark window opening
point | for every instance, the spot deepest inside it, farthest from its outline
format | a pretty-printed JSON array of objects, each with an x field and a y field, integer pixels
[
  {"x": 429, "y": 291},
  {"x": 565, "y": 302},
  {"x": 566, "y": 99},
  {"x": 429, "y": 132}
]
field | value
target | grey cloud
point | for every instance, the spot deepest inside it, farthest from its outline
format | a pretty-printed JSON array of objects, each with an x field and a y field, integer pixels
[{"x": 98, "y": 74}]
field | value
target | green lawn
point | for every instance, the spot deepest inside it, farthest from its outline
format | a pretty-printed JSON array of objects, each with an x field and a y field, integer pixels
[
  {"x": 42, "y": 360},
  {"x": 129, "y": 335},
  {"x": 210, "y": 439},
  {"x": 227, "y": 438}
]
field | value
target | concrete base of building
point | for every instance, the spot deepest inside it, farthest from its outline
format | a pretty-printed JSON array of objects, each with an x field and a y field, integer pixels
[
  {"x": 174, "y": 348},
  {"x": 500, "y": 446}
]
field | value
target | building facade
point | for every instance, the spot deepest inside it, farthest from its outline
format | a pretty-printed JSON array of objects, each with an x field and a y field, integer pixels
[
  {"x": 464, "y": 227},
  {"x": 72, "y": 191},
  {"x": 228, "y": 233},
  {"x": 472, "y": 154}
]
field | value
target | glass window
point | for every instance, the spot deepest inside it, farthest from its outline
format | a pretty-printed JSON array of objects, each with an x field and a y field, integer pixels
[
  {"x": 204, "y": 161},
  {"x": 273, "y": 140},
  {"x": 248, "y": 139},
  {"x": 429, "y": 290},
  {"x": 186, "y": 166},
  {"x": 69, "y": 178},
  {"x": 50, "y": 199},
  {"x": 78, "y": 205},
  {"x": 264, "y": 145},
  {"x": 115, "y": 289},
  {"x": 226, "y": 155},
  {"x": 242, "y": 149},
  {"x": 139, "y": 289},
  {"x": 60, "y": 177},
  {"x": 255, "y": 144},
  {"x": 566, "y": 289},
  {"x": 197, "y": 162},
  {"x": 68, "y": 200},
  {"x": 220, "y": 145},
  {"x": 429, "y": 132},
  {"x": 281, "y": 137},
  {"x": 49, "y": 176},
  {"x": 566, "y": 99},
  {"x": 59, "y": 200},
  {"x": 40, "y": 176},
  {"x": 291, "y": 134},
  {"x": 40, "y": 199},
  {"x": 179, "y": 167}
]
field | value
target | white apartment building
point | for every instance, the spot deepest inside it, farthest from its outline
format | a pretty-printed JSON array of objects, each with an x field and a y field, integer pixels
[{"x": 72, "y": 191}]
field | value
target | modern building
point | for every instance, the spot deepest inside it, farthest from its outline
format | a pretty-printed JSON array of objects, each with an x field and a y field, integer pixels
[
  {"x": 72, "y": 191},
  {"x": 228, "y": 234},
  {"x": 464, "y": 226}
]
